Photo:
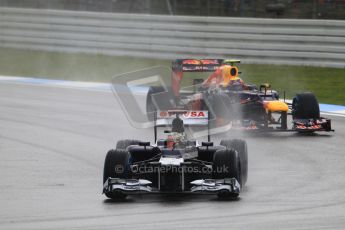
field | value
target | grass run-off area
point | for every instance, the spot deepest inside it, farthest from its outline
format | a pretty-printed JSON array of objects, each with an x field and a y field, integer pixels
[{"x": 327, "y": 83}]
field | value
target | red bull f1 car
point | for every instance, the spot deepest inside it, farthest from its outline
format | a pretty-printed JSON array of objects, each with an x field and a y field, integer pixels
[
  {"x": 232, "y": 102},
  {"x": 175, "y": 163}
]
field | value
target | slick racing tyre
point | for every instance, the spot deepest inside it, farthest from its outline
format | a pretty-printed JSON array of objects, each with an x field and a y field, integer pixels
[
  {"x": 226, "y": 164},
  {"x": 241, "y": 147},
  {"x": 116, "y": 165},
  {"x": 220, "y": 106},
  {"x": 163, "y": 102},
  {"x": 305, "y": 106},
  {"x": 123, "y": 144}
]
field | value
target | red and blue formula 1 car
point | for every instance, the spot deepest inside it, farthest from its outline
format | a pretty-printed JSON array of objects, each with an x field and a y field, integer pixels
[{"x": 232, "y": 102}]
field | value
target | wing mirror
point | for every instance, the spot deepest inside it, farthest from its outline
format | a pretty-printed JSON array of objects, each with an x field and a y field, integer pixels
[{"x": 265, "y": 87}]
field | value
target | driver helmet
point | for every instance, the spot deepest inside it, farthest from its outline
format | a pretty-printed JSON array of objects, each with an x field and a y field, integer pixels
[
  {"x": 170, "y": 142},
  {"x": 229, "y": 73}
]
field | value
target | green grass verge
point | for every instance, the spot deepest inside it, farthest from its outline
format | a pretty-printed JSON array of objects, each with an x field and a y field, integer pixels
[{"x": 327, "y": 83}]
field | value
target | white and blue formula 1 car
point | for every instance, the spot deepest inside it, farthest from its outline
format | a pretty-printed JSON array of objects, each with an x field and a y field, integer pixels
[{"x": 176, "y": 164}]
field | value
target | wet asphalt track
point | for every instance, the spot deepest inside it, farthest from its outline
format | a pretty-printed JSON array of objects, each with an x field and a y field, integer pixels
[{"x": 53, "y": 142}]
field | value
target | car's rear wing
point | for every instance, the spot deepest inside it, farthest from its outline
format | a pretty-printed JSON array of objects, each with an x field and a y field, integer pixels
[
  {"x": 180, "y": 66},
  {"x": 189, "y": 117},
  {"x": 196, "y": 65}
]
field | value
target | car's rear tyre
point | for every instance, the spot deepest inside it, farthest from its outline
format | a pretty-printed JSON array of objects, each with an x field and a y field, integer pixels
[
  {"x": 163, "y": 103},
  {"x": 116, "y": 165},
  {"x": 150, "y": 106},
  {"x": 241, "y": 147},
  {"x": 305, "y": 106},
  {"x": 123, "y": 144},
  {"x": 220, "y": 106}
]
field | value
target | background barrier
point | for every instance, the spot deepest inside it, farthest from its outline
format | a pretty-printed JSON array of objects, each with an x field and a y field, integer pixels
[{"x": 275, "y": 41}]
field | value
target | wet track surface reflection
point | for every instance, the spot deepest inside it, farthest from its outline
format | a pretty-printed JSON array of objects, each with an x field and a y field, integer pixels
[{"x": 53, "y": 143}]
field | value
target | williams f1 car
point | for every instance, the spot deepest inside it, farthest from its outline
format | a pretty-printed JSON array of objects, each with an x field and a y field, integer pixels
[
  {"x": 175, "y": 163},
  {"x": 233, "y": 103}
]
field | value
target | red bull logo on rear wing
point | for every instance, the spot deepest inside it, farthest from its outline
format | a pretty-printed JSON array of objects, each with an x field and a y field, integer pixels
[
  {"x": 189, "y": 117},
  {"x": 196, "y": 65}
]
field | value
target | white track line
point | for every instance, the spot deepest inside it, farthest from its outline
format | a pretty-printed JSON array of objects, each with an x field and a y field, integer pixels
[{"x": 107, "y": 87}]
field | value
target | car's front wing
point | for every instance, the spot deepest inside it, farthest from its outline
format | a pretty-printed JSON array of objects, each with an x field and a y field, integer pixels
[{"x": 202, "y": 186}]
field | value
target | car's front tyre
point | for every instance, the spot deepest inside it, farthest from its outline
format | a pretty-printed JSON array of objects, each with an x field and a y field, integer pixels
[
  {"x": 226, "y": 164},
  {"x": 305, "y": 106},
  {"x": 241, "y": 147},
  {"x": 123, "y": 144},
  {"x": 116, "y": 165}
]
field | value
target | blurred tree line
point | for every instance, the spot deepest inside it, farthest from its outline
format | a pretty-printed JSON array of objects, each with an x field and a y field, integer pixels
[{"x": 308, "y": 9}]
